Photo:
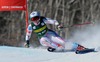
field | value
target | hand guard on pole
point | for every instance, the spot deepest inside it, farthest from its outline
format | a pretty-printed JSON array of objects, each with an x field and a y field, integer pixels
[
  {"x": 27, "y": 44},
  {"x": 59, "y": 27}
]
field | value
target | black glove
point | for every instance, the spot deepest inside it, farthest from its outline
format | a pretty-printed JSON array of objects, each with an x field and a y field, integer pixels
[
  {"x": 60, "y": 27},
  {"x": 27, "y": 44}
]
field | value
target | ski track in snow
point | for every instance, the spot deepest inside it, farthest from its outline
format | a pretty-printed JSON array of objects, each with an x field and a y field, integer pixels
[{"x": 17, "y": 54}]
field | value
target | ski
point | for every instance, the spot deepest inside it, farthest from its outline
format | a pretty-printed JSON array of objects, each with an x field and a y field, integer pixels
[{"x": 85, "y": 51}]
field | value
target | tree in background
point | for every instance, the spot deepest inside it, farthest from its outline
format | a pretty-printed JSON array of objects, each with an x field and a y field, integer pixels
[{"x": 67, "y": 12}]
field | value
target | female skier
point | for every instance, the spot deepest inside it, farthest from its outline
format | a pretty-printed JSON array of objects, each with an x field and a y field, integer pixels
[{"x": 46, "y": 36}]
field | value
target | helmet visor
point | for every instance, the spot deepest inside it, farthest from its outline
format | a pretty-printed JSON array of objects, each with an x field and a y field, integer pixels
[{"x": 35, "y": 18}]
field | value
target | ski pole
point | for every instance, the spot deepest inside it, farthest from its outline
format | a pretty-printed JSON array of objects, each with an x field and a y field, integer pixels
[{"x": 77, "y": 25}]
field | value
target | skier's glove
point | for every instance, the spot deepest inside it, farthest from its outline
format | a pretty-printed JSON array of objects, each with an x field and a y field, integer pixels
[
  {"x": 27, "y": 44},
  {"x": 60, "y": 27}
]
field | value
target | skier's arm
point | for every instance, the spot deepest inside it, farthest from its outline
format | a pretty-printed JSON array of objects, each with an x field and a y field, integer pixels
[
  {"x": 54, "y": 22},
  {"x": 28, "y": 35},
  {"x": 50, "y": 21}
]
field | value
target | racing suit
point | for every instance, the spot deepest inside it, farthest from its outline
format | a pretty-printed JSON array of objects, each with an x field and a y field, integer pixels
[{"x": 47, "y": 37}]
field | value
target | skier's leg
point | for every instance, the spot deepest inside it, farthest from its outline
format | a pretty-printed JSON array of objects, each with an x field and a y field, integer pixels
[
  {"x": 79, "y": 49},
  {"x": 47, "y": 42},
  {"x": 56, "y": 39},
  {"x": 73, "y": 46},
  {"x": 44, "y": 41},
  {"x": 77, "y": 46}
]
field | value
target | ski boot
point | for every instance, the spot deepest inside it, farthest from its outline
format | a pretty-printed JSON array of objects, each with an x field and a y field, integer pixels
[
  {"x": 50, "y": 49},
  {"x": 81, "y": 50}
]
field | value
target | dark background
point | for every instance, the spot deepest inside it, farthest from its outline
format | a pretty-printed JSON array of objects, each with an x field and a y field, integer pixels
[{"x": 67, "y": 12}]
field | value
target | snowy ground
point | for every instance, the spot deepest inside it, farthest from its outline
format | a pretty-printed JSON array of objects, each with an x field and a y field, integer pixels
[{"x": 16, "y": 54}]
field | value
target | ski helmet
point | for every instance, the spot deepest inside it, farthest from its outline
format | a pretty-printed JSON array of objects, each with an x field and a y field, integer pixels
[{"x": 34, "y": 14}]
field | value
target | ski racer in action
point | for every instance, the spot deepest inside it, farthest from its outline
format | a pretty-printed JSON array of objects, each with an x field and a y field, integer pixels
[{"x": 46, "y": 36}]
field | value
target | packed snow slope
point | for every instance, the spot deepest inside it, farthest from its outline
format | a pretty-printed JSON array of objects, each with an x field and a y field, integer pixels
[{"x": 17, "y": 54}]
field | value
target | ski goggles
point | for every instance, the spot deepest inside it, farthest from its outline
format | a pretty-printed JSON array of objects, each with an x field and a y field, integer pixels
[{"x": 35, "y": 18}]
